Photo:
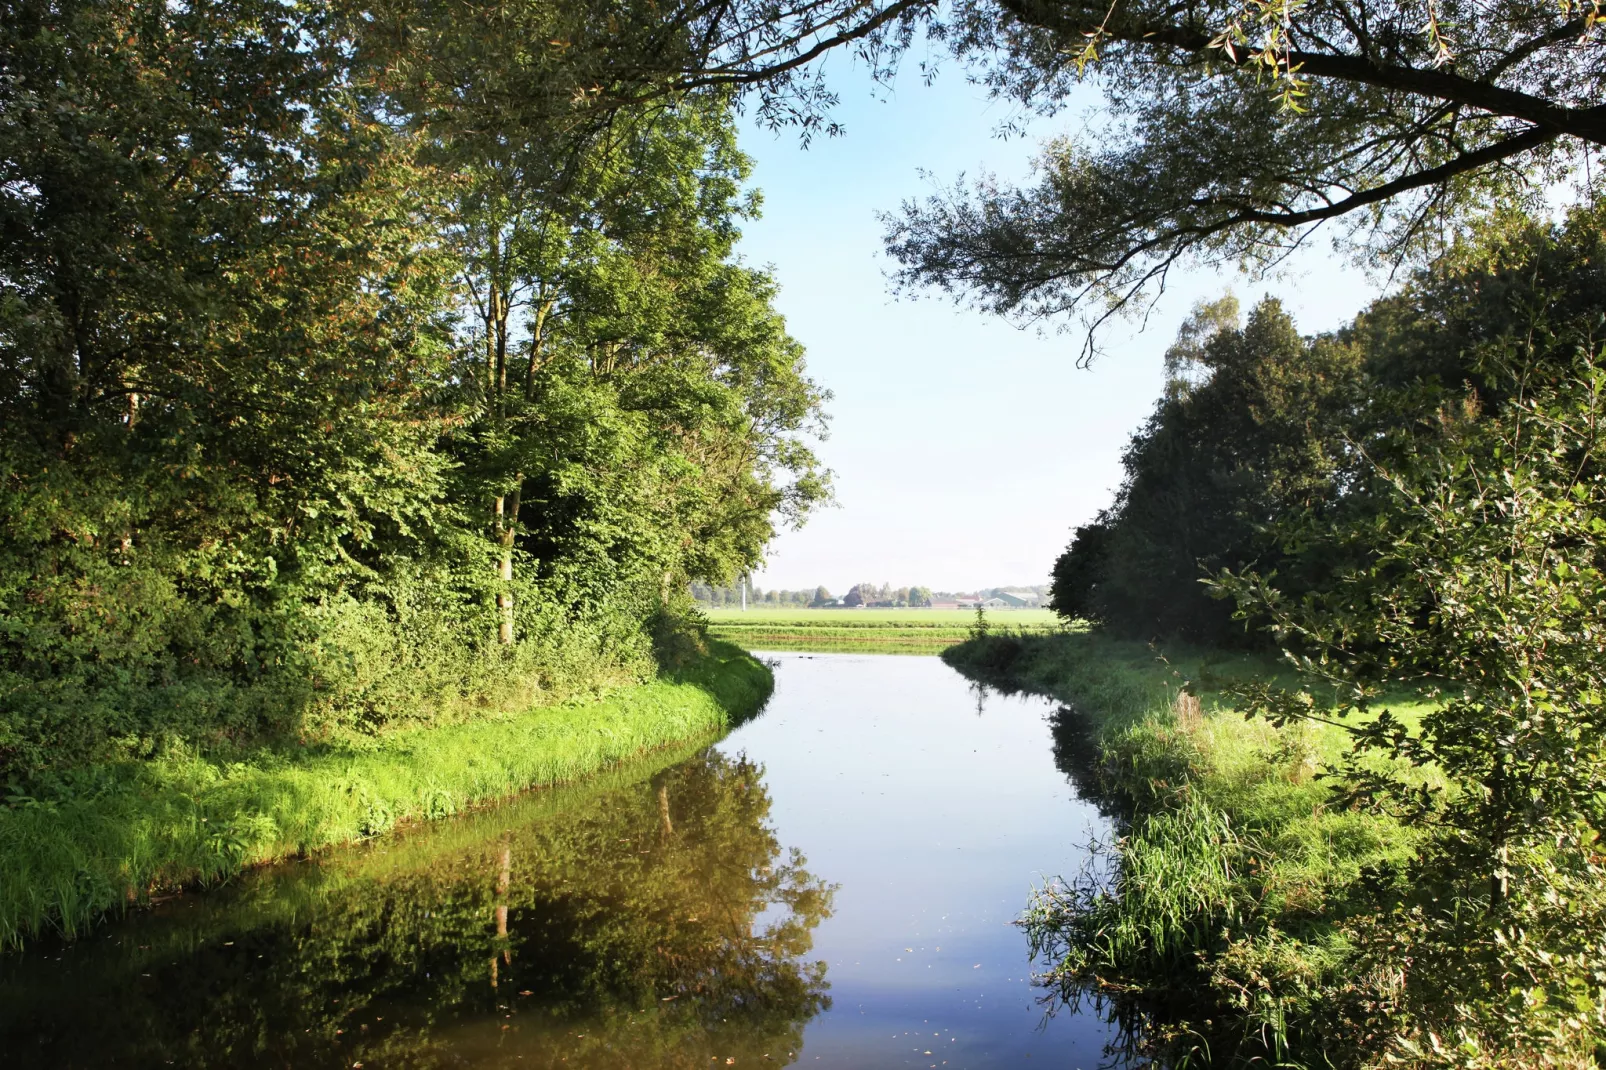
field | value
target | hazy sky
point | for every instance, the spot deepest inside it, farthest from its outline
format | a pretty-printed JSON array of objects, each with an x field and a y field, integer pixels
[{"x": 964, "y": 447}]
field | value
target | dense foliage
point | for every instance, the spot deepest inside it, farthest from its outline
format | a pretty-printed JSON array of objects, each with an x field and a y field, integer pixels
[
  {"x": 324, "y": 404},
  {"x": 1261, "y": 429},
  {"x": 1251, "y": 424}
]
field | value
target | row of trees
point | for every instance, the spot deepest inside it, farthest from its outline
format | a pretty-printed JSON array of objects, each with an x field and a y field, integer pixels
[
  {"x": 885, "y": 595},
  {"x": 861, "y": 594},
  {"x": 731, "y": 595}
]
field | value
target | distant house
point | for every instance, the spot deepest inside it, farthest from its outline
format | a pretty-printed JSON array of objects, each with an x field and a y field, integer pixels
[
  {"x": 996, "y": 603},
  {"x": 1021, "y": 599},
  {"x": 944, "y": 605}
]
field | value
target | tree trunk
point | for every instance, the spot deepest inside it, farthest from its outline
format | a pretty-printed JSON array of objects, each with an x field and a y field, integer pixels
[
  {"x": 665, "y": 825},
  {"x": 504, "y": 597},
  {"x": 504, "y": 883}
]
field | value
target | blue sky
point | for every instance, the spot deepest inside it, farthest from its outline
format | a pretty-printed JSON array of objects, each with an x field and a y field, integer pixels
[{"x": 965, "y": 447}]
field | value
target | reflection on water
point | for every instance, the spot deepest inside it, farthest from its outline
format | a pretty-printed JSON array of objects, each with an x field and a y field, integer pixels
[
  {"x": 657, "y": 916},
  {"x": 656, "y": 924}
]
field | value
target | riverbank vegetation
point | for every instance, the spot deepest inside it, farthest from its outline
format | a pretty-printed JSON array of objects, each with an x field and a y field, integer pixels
[
  {"x": 1214, "y": 928},
  {"x": 1399, "y": 527},
  {"x": 103, "y": 836},
  {"x": 651, "y": 909}
]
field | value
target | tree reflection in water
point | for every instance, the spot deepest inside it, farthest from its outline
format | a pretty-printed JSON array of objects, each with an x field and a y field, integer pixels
[{"x": 655, "y": 924}]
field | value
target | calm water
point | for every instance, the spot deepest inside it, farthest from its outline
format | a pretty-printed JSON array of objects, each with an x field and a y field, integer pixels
[{"x": 832, "y": 884}]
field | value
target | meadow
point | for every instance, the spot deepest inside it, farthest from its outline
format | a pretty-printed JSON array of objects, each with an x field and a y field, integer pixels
[{"x": 884, "y": 631}]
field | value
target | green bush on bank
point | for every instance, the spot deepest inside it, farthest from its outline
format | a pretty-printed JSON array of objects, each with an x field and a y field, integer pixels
[
  {"x": 1222, "y": 917},
  {"x": 117, "y": 833}
]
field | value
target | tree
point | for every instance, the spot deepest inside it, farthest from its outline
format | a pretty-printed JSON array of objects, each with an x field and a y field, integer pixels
[
  {"x": 821, "y": 596},
  {"x": 1236, "y": 129},
  {"x": 920, "y": 596},
  {"x": 1252, "y": 426}
]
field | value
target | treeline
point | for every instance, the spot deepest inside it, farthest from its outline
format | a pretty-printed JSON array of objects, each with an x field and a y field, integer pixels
[
  {"x": 367, "y": 365},
  {"x": 863, "y": 594},
  {"x": 1278, "y": 453},
  {"x": 880, "y": 596},
  {"x": 731, "y": 595}
]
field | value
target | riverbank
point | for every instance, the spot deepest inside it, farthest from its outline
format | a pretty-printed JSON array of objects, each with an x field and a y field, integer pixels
[
  {"x": 1224, "y": 931},
  {"x": 122, "y": 834}
]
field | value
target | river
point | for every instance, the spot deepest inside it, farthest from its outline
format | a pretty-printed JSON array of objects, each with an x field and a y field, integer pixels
[{"x": 834, "y": 884}]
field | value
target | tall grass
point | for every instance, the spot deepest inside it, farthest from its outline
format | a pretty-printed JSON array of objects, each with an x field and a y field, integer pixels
[
  {"x": 117, "y": 834},
  {"x": 1215, "y": 917}
]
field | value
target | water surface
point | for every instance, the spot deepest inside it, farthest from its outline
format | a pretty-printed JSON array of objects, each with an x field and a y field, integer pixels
[{"x": 833, "y": 884}]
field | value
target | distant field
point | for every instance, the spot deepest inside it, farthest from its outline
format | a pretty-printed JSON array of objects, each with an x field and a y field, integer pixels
[{"x": 892, "y": 631}]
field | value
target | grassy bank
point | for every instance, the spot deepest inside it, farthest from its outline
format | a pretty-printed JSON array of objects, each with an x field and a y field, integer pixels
[
  {"x": 119, "y": 834},
  {"x": 1221, "y": 936},
  {"x": 868, "y": 631}
]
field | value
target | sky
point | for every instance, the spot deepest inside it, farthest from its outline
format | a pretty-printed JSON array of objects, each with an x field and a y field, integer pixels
[{"x": 965, "y": 447}]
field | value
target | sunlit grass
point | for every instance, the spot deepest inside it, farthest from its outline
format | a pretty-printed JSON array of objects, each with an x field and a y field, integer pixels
[
  {"x": 867, "y": 631},
  {"x": 122, "y": 833}
]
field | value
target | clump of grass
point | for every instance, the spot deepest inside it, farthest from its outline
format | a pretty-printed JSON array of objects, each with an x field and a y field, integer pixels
[{"x": 117, "y": 834}]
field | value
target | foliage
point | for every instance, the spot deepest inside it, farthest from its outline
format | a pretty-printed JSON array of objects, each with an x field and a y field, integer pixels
[
  {"x": 1232, "y": 130},
  {"x": 1252, "y": 425},
  {"x": 1259, "y": 424},
  {"x": 1449, "y": 548},
  {"x": 1488, "y": 581}
]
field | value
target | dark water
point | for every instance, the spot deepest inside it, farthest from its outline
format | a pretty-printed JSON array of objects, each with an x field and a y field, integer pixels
[{"x": 833, "y": 884}]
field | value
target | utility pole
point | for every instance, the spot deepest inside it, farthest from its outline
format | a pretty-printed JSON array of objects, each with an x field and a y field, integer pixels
[{"x": 744, "y": 594}]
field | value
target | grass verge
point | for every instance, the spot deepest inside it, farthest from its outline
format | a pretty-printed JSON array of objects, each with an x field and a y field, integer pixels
[
  {"x": 119, "y": 834},
  {"x": 1214, "y": 925}
]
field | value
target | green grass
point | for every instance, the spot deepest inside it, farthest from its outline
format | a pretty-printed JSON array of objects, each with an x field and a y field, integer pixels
[
  {"x": 122, "y": 833},
  {"x": 1234, "y": 869},
  {"x": 884, "y": 631}
]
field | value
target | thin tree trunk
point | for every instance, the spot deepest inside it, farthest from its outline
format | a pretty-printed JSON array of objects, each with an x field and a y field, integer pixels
[
  {"x": 664, "y": 823},
  {"x": 504, "y": 597},
  {"x": 504, "y": 883}
]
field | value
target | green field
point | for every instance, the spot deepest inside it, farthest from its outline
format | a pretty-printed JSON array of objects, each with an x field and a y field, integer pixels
[{"x": 886, "y": 631}]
